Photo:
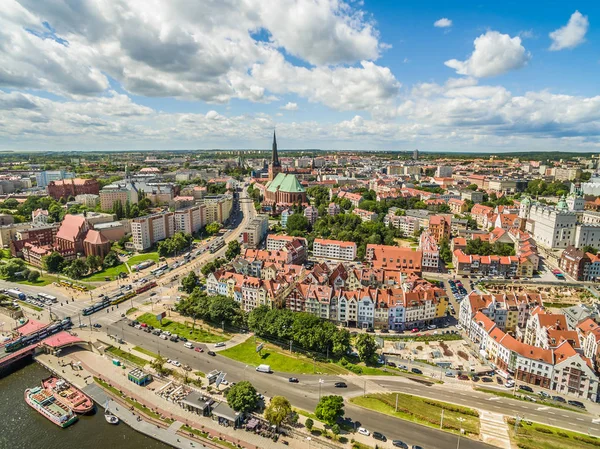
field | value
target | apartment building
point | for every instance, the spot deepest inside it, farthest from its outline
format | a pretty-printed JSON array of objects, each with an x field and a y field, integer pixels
[
  {"x": 255, "y": 232},
  {"x": 431, "y": 252},
  {"x": 190, "y": 219},
  {"x": 394, "y": 258},
  {"x": 312, "y": 214},
  {"x": 276, "y": 242},
  {"x": 218, "y": 208},
  {"x": 365, "y": 215},
  {"x": 408, "y": 225},
  {"x": 334, "y": 249},
  {"x": 149, "y": 229}
]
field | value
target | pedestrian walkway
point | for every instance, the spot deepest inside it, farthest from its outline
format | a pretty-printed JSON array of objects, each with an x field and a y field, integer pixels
[
  {"x": 493, "y": 429},
  {"x": 175, "y": 426},
  {"x": 130, "y": 418}
]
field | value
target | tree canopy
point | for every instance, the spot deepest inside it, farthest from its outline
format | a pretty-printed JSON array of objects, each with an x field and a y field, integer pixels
[
  {"x": 216, "y": 309},
  {"x": 278, "y": 410},
  {"x": 242, "y": 397},
  {"x": 366, "y": 347},
  {"x": 330, "y": 409}
]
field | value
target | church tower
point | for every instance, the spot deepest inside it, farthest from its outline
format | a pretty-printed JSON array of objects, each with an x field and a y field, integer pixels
[{"x": 275, "y": 167}]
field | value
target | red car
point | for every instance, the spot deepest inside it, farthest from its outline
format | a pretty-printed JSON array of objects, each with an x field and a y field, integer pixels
[
  {"x": 197, "y": 349},
  {"x": 144, "y": 325},
  {"x": 415, "y": 330}
]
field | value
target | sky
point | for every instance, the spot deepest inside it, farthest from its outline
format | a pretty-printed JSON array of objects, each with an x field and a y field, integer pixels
[{"x": 331, "y": 74}]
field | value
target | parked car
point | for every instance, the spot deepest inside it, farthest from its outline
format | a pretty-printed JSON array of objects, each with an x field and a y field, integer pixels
[
  {"x": 449, "y": 374},
  {"x": 156, "y": 332},
  {"x": 392, "y": 364},
  {"x": 416, "y": 371},
  {"x": 400, "y": 444},
  {"x": 164, "y": 337},
  {"x": 340, "y": 385},
  {"x": 363, "y": 431},
  {"x": 577, "y": 404},
  {"x": 487, "y": 379},
  {"x": 379, "y": 436},
  {"x": 188, "y": 345},
  {"x": 526, "y": 388},
  {"x": 509, "y": 383},
  {"x": 463, "y": 377},
  {"x": 219, "y": 345},
  {"x": 559, "y": 399}
]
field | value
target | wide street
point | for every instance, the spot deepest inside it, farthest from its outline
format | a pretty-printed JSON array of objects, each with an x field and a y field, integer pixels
[{"x": 304, "y": 394}]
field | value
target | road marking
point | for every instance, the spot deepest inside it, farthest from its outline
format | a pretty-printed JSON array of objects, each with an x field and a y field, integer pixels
[
  {"x": 579, "y": 419},
  {"x": 494, "y": 398},
  {"x": 539, "y": 409},
  {"x": 551, "y": 413}
]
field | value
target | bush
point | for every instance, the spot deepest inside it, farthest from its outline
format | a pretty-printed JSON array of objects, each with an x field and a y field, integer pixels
[
  {"x": 587, "y": 440},
  {"x": 309, "y": 423},
  {"x": 463, "y": 355},
  {"x": 543, "y": 430},
  {"x": 353, "y": 368},
  {"x": 562, "y": 434}
]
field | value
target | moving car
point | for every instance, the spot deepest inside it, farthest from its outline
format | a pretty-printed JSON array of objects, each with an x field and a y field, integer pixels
[
  {"x": 363, "y": 431},
  {"x": 340, "y": 385},
  {"x": 197, "y": 349},
  {"x": 400, "y": 444},
  {"x": 212, "y": 353},
  {"x": 578, "y": 404},
  {"x": 293, "y": 380},
  {"x": 219, "y": 345},
  {"x": 188, "y": 345}
]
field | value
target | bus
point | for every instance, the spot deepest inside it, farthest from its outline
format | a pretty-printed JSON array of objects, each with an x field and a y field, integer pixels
[{"x": 45, "y": 297}]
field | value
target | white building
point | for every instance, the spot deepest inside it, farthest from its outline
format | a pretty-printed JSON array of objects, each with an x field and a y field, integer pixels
[
  {"x": 218, "y": 208},
  {"x": 190, "y": 219},
  {"x": 255, "y": 231},
  {"x": 553, "y": 227},
  {"x": 88, "y": 199},
  {"x": 149, "y": 229},
  {"x": 444, "y": 171},
  {"x": 334, "y": 249}
]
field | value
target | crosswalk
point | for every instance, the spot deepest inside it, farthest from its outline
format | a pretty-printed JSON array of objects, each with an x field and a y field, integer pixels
[{"x": 493, "y": 429}]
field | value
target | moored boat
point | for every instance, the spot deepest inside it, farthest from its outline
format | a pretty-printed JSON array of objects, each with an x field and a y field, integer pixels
[
  {"x": 68, "y": 394},
  {"x": 108, "y": 416},
  {"x": 44, "y": 402}
]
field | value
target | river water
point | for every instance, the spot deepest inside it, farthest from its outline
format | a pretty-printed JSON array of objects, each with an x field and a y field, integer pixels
[{"x": 21, "y": 427}]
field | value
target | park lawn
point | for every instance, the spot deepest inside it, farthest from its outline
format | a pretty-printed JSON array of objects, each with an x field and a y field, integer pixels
[
  {"x": 111, "y": 272},
  {"x": 278, "y": 360},
  {"x": 538, "y": 436},
  {"x": 145, "y": 351},
  {"x": 198, "y": 334},
  {"x": 127, "y": 356},
  {"x": 134, "y": 260},
  {"x": 422, "y": 411},
  {"x": 43, "y": 280}
]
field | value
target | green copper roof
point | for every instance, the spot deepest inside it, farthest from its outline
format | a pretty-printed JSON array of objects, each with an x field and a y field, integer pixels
[{"x": 285, "y": 183}]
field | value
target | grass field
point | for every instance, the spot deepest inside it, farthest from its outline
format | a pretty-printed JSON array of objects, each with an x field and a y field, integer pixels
[
  {"x": 127, "y": 356},
  {"x": 110, "y": 272},
  {"x": 43, "y": 280},
  {"x": 199, "y": 335},
  {"x": 278, "y": 360},
  {"x": 145, "y": 351},
  {"x": 538, "y": 436},
  {"x": 422, "y": 411},
  {"x": 134, "y": 260}
]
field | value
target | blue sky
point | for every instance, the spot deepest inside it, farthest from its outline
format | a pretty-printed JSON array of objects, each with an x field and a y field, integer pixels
[{"x": 504, "y": 76}]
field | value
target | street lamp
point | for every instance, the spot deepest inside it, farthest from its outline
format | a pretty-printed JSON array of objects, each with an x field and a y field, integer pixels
[{"x": 461, "y": 420}]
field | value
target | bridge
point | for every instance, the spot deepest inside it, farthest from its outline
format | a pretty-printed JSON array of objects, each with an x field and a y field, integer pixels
[{"x": 6, "y": 358}]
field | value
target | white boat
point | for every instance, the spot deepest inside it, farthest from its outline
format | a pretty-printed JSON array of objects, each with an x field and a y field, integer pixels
[{"x": 108, "y": 416}]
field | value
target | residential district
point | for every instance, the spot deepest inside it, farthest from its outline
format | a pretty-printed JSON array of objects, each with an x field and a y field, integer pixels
[{"x": 308, "y": 298}]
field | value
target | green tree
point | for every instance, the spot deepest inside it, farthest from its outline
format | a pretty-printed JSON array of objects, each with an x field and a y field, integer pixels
[
  {"x": 309, "y": 423},
  {"x": 33, "y": 276},
  {"x": 11, "y": 268},
  {"x": 93, "y": 262},
  {"x": 53, "y": 262},
  {"x": 76, "y": 269},
  {"x": 589, "y": 249},
  {"x": 330, "y": 409},
  {"x": 233, "y": 250},
  {"x": 242, "y": 397},
  {"x": 366, "y": 347},
  {"x": 111, "y": 260},
  {"x": 335, "y": 429},
  {"x": 297, "y": 224},
  {"x": 190, "y": 282},
  {"x": 213, "y": 228},
  {"x": 472, "y": 187},
  {"x": 278, "y": 410},
  {"x": 445, "y": 253}
]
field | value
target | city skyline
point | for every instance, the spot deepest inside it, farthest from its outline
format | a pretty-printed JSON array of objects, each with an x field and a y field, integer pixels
[{"x": 331, "y": 75}]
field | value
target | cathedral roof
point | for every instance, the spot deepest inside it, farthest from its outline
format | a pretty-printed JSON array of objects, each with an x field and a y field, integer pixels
[{"x": 285, "y": 182}]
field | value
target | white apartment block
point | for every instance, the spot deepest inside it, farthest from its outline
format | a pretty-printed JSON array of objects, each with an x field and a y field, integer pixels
[
  {"x": 553, "y": 227},
  {"x": 255, "y": 231},
  {"x": 147, "y": 230},
  {"x": 190, "y": 219},
  {"x": 88, "y": 200},
  {"x": 334, "y": 249},
  {"x": 218, "y": 208},
  {"x": 408, "y": 225}
]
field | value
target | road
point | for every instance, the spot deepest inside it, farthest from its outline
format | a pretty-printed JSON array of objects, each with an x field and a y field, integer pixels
[
  {"x": 167, "y": 286},
  {"x": 304, "y": 395}
]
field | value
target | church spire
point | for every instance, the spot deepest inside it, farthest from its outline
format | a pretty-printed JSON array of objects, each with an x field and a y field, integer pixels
[{"x": 275, "y": 156}]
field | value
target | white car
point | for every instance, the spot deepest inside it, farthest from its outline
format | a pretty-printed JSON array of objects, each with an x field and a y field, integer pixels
[
  {"x": 364, "y": 431},
  {"x": 175, "y": 363},
  {"x": 167, "y": 333},
  {"x": 219, "y": 345}
]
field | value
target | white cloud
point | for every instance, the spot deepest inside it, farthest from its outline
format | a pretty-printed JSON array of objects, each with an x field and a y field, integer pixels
[
  {"x": 290, "y": 106},
  {"x": 443, "y": 23},
  {"x": 195, "y": 51},
  {"x": 572, "y": 34},
  {"x": 494, "y": 55}
]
